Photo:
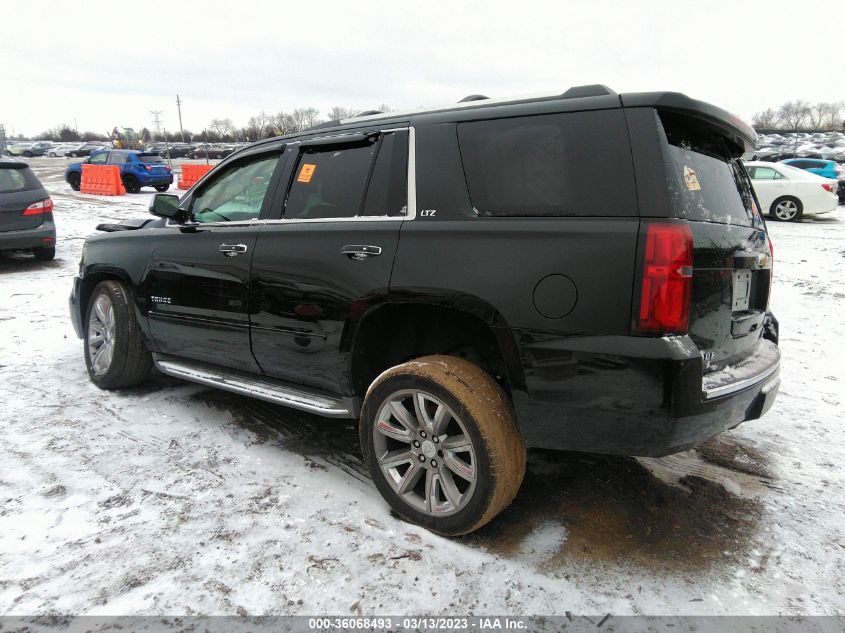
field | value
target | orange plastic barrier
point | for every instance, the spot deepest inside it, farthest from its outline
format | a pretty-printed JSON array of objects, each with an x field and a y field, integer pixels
[
  {"x": 102, "y": 179},
  {"x": 192, "y": 173}
]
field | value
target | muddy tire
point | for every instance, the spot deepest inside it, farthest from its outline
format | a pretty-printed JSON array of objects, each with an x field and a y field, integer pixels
[
  {"x": 441, "y": 443},
  {"x": 114, "y": 350},
  {"x": 74, "y": 180}
]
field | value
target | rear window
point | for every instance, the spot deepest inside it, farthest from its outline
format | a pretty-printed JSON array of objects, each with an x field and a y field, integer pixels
[
  {"x": 17, "y": 179},
  {"x": 569, "y": 164},
  {"x": 150, "y": 158},
  {"x": 706, "y": 179}
]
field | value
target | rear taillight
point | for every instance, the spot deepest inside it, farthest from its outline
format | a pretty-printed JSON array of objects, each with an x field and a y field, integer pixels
[
  {"x": 667, "y": 278},
  {"x": 39, "y": 208},
  {"x": 148, "y": 167},
  {"x": 829, "y": 188}
]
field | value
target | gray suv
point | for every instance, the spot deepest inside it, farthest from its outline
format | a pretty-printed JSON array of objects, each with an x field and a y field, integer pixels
[{"x": 26, "y": 211}]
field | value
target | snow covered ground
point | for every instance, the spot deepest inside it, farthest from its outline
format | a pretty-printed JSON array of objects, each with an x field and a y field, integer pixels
[{"x": 178, "y": 499}]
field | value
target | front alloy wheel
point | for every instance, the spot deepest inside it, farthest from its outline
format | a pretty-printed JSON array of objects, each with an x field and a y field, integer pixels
[
  {"x": 115, "y": 354},
  {"x": 100, "y": 337}
]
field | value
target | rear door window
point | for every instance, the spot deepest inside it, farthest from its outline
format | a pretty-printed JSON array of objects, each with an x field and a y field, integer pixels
[
  {"x": 763, "y": 173},
  {"x": 568, "y": 164},
  {"x": 387, "y": 193},
  {"x": 329, "y": 182},
  {"x": 706, "y": 179}
]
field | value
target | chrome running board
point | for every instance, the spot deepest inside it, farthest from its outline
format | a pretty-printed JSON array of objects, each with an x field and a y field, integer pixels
[{"x": 255, "y": 387}]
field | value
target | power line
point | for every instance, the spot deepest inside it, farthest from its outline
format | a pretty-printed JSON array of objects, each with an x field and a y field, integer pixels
[{"x": 156, "y": 114}]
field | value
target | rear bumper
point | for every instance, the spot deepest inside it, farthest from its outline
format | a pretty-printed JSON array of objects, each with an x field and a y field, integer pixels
[
  {"x": 28, "y": 238},
  {"x": 633, "y": 395},
  {"x": 157, "y": 180}
]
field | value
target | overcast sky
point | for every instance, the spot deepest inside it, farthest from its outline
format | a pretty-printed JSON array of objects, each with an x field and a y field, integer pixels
[{"x": 107, "y": 63}]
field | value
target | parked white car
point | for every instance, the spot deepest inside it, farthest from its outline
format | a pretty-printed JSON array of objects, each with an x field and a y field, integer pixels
[
  {"x": 59, "y": 150},
  {"x": 787, "y": 193}
]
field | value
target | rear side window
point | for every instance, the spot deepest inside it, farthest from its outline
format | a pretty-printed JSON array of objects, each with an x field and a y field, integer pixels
[
  {"x": 330, "y": 182},
  {"x": 387, "y": 193},
  {"x": 570, "y": 164},
  {"x": 705, "y": 176},
  {"x": 17, "y": 179}
]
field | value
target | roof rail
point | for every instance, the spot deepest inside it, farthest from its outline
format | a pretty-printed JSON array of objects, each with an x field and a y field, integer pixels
[
  {"x": 591, "y": 90},
  {"x": 473, "y": 98},
  {"x": 368, "y": 113}
]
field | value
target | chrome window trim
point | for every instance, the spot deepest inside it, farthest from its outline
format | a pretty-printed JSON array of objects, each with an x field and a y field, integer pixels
[{"x": 410, "y": 211}]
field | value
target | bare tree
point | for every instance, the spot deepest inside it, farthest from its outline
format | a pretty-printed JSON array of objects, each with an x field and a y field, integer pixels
[
  {"x": 793, "y": 114},
  {"x": 765, "y": 120},
  {"x": 259, "y": 125},
  {"x": 305, "y": 118},
  {"x": 833, "y": 116},
  {"x": 338, "y": 113},
  {"x": 283, "y": 123},
  {"x": 223, "y": 127}
]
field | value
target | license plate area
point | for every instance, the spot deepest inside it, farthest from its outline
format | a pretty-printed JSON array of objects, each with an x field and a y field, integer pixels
[{"x": 741, "y": 290}]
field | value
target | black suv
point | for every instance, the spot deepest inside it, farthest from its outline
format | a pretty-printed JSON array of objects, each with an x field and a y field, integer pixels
[{"x": 586, "y": 271}]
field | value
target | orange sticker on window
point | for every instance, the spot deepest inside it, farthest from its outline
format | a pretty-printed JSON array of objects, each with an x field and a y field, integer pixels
[{"x": 306, "y": 172}]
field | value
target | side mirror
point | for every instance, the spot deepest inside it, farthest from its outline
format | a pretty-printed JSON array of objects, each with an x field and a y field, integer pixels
[{"x": 165, "y": 205}]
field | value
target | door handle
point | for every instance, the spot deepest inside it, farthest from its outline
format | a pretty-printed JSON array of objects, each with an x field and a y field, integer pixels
[
  {"x": 232, "y": 250},
  {"x": 360, "y": 252}
]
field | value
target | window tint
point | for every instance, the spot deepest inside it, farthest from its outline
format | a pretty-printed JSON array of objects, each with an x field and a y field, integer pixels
[
  {"x": 99, "y": 159},
  {"x": 150, "y": 158},
  {"x": 237, "y": 194},
  {"x": 387, "y": 193},
  {"x": 549, "y": 165},
  {"x": 11, "y": 180},
  {"x": 330, "y": 182}
]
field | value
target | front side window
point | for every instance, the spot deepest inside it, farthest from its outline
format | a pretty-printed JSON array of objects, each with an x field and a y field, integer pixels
[
  {"x": 117, "y": 158},
  {"x": 237, "y": 194},
  {"x": 99, "y": 159},
  {"x": 330, "y": 182}
]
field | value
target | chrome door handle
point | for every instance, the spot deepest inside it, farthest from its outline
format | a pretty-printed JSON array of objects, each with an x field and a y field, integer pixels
[
  {"x": 232, "y": 250},
  {"x": 359, "y": 252}
]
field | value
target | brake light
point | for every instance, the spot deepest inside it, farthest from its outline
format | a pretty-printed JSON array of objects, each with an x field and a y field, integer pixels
[
  {"x": 667, "y": 278},
  {"x": 39, "y": 208},
  {"x": 829, "y": 188},
  {"x": 167, "y": 167},
  {"x": 148, "y": 167}
]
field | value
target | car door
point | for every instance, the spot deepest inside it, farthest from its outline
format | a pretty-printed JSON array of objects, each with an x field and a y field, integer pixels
[
  {"x": 327, "y": 255},
  {"x": 198, "y": 280}
]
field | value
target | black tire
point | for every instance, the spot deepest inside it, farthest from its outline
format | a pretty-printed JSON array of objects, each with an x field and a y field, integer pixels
[
  {"x": 44, "y": 254},
  {"x": 74, "y": 180},
  {"x": 73, "y": 155},
  {"x": 131, "y": 184},
  {"x": 28, "y": 154},
  {"x": 162, "y": 188},
  {"x": 777, "y": 210},
  {"x": 130, "y": 360},
  {"x": 479, "y": 410}
]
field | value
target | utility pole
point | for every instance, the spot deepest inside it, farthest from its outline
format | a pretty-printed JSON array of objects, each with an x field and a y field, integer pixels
[
  {"x": 179, "y": 108},
  {"x": 157, "y": 120},
  {"x": 2, "y": 138}
]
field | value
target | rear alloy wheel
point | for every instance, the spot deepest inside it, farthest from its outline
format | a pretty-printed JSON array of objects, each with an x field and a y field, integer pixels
[
  {"x": 74, "y": 180},
  {"x": 786, "y": 209},
  {"x": 44, "y": 254},
  {"x": 115, "y": 354},
  {"x": 441, "y": 444},
  {"x": 131, "y": 184}
]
